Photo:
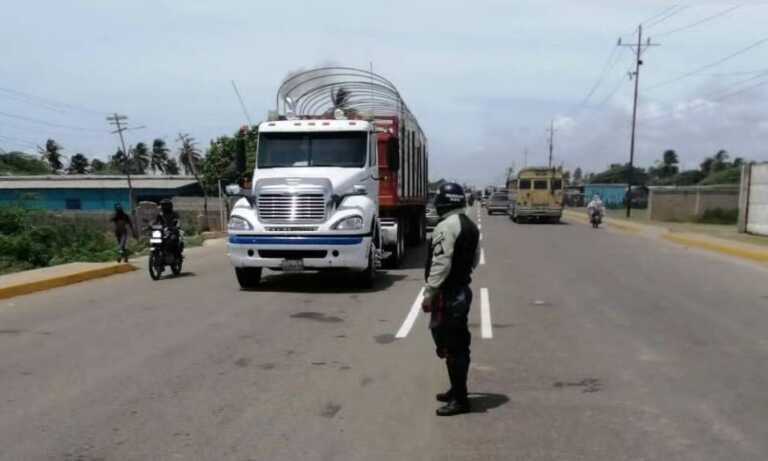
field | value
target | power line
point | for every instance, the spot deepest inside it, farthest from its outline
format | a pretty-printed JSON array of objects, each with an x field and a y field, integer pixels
[
  {"x": 666, "y": 17},
  {"x": 661, "y": 13},
  {"x": 51, "y": 124},
  {"x": 708, "y": 66},
  {"x": 715, "y": 97},
  {"x": 50, "y": 103},
  {"x": 700, "y": 22},
  {"x": 610, "y": 63}
]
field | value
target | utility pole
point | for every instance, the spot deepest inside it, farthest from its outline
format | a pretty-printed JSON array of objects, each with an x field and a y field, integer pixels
[
  {"x": 638, "y": 50},
  {"x": 551, "y": 141},
  {"x": 117, "y": 121},
  {"x": 120, "y": 122}
]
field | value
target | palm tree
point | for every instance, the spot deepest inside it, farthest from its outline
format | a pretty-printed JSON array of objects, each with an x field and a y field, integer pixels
[
  {"x": 189, "y": 155},
  {"x": 159, "y": 157},
  {"x": 78, "y": 164},
  {"x": 119, "y": 161},
  {"x": 190, "y": 158},
  {"x": 52, "y": 155},
  {"x": 171, "y": 166},
  {"x": 140, "y": 158}
]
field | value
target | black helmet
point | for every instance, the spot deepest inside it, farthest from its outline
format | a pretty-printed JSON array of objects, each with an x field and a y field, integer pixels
[
  {"x": 166, "y": 205},
  {"x": 449, "y": 197}
]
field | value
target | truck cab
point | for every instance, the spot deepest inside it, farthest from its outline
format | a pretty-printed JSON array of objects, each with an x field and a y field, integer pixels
[{"x": 313, "y": 202}]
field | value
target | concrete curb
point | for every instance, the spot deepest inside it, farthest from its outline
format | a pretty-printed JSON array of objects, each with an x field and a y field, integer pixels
[
  {"x": 691, "y": 240},
  {"x": 718, "y": 246},
  {"x": 55, "y": 281}
]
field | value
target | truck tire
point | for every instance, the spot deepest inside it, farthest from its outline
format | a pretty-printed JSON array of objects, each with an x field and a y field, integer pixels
[
  {"x": 397, "y": 251},
  {"x": 366, "y": 278},
  {"x": 248, "y": 277}
]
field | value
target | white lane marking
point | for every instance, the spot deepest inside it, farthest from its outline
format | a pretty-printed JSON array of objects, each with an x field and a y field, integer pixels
[
  {"x": 405, "y": 328},
  {"x": 479, "y": 227},
  {"x": 481, "y": 237},
  {"x": 485, "y": 314},
  {"x": 482, "y": 256}
]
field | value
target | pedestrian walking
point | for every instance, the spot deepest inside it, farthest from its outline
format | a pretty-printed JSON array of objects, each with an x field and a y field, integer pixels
[
  {"x": 454, "y": 255},
  {"x": 122, "y": 225}
]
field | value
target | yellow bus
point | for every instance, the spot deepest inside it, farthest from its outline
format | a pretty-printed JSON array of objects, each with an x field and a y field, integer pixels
[{"x": 537, "y": 195}]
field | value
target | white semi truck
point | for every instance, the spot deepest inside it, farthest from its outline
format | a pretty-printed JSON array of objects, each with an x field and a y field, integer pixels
[{"x": 339, "y": 183}]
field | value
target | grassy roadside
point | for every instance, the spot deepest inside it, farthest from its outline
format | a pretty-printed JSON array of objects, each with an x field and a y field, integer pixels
[
  {"x": 722, "y": 231},
  {"x": 35, "y": 239}
]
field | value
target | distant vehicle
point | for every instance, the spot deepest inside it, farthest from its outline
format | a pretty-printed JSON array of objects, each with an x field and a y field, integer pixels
[
  {"x": 596, "y": 217},
  {"x": 498, "y": 203},
  {"x": 539, "y": 195}
]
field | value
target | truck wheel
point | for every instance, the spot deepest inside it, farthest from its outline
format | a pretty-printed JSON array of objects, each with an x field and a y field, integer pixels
[
  {"x": 398, "y": 250},
  {"x": 248, "y": 277},
  {"x": 365, "y": 278}
]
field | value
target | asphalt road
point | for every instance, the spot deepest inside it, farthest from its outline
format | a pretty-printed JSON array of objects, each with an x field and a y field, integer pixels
[{"x": 593, "y": 345}]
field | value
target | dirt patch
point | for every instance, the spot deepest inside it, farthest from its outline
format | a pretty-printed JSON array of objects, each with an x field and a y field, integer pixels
[
  {"x": 384, "y": 339},
  {"x": 588, "y": 385},
  {"x": 317, "y": 316},
  {"x": 243, "y": 362},
  {"x": 330, "y": 410}
]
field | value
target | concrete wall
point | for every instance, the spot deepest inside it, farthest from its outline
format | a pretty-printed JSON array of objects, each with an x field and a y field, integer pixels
[
  {"x": 753, "y": 202},
  {"x": 690, "y": 203}
]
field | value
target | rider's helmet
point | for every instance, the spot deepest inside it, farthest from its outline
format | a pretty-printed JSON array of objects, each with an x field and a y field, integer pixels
[
  {"x": 596, "y": 197},
  {"x": 166, "y": 205},
  {"x": 450, "y": 196}
]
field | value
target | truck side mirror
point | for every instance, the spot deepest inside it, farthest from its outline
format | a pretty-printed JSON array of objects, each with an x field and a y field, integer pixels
[
  {"x": 393, "y": 156},
  {"x": 233, "y": 190}
]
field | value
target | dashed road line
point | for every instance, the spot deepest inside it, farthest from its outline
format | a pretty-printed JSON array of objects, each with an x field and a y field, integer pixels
[
  {"x": 482, "y": 256},
  {"x": 481, "y": 237},
  {"x": 486, "y": 329},
  {"x": 405, "y": 328}
]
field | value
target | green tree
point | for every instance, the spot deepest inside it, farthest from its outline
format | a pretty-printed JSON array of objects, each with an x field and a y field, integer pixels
[
  {"x": 19, "y": 163},
  {"x": 171, "y": 167},
  {"x": 219, "y": 163},
  {"x": 189, "y": 156},
  {"x": 52, "y": 154},
  {"x": 119, "y": 162},
  {"x": 98, "y": 167},
  {"x": 720, "y": 162},
  {"x": 706, "y": 166},
  {"x": 617, "y": 174},
  {"x": 139, "y": 159},
  {"x": 159, "y": 157},
  {"x": 78, "y": 164}
]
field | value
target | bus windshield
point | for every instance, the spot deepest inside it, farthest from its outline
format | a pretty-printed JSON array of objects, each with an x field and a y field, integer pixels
[{"x": 339, "y": 149}]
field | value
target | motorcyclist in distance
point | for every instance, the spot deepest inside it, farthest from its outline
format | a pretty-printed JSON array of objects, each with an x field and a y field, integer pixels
[
  {"x": 596, "y": 205},
  {"x": 168, "y": 218}
]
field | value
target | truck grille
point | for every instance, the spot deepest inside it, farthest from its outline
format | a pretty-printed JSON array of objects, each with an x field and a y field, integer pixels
[{"x": 299, "y": 208}]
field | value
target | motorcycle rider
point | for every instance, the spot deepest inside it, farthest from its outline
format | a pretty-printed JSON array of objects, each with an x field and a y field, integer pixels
[
  {"x": 596, "y": 205},
  {"x": 169, "y": 219},
  {"x": 454, "y": 254}
]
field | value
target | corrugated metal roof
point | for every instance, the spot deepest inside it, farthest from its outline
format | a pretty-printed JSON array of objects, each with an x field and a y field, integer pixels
[{"x": 94, "y": 182}]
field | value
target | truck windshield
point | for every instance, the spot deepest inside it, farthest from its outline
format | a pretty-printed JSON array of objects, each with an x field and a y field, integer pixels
[{"x": 340, "y": 149}]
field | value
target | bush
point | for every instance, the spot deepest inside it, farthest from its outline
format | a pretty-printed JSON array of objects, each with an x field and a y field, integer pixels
[
  {"x": 34, "y": 239},
  {"x": 719, "y": 216}
]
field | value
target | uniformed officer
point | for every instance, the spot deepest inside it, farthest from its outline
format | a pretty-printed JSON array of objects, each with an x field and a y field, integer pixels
[{"x": 454, "y": 255}]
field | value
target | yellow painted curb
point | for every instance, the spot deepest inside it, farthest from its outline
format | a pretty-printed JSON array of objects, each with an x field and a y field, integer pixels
[
  {"x": 732, "y": 250},
  {"x": 63, "y": 280}
]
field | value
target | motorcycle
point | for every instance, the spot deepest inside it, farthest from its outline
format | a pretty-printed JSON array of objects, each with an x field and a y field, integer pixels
[
  {"x": 596, "y": 218},
  {"x": 166, "y": 248}
]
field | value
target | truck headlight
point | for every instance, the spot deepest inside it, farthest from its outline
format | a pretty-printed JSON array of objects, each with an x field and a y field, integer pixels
[
  {"x": 236, "y": 223},
  {"x": 349, "y": 223}
]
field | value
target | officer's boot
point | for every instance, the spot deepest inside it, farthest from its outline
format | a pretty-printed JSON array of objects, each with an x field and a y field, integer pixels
[{"x": 458, "y": 367}]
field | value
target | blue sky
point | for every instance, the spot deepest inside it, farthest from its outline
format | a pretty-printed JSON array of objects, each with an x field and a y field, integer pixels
[{"x": 484, "y": 77}]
